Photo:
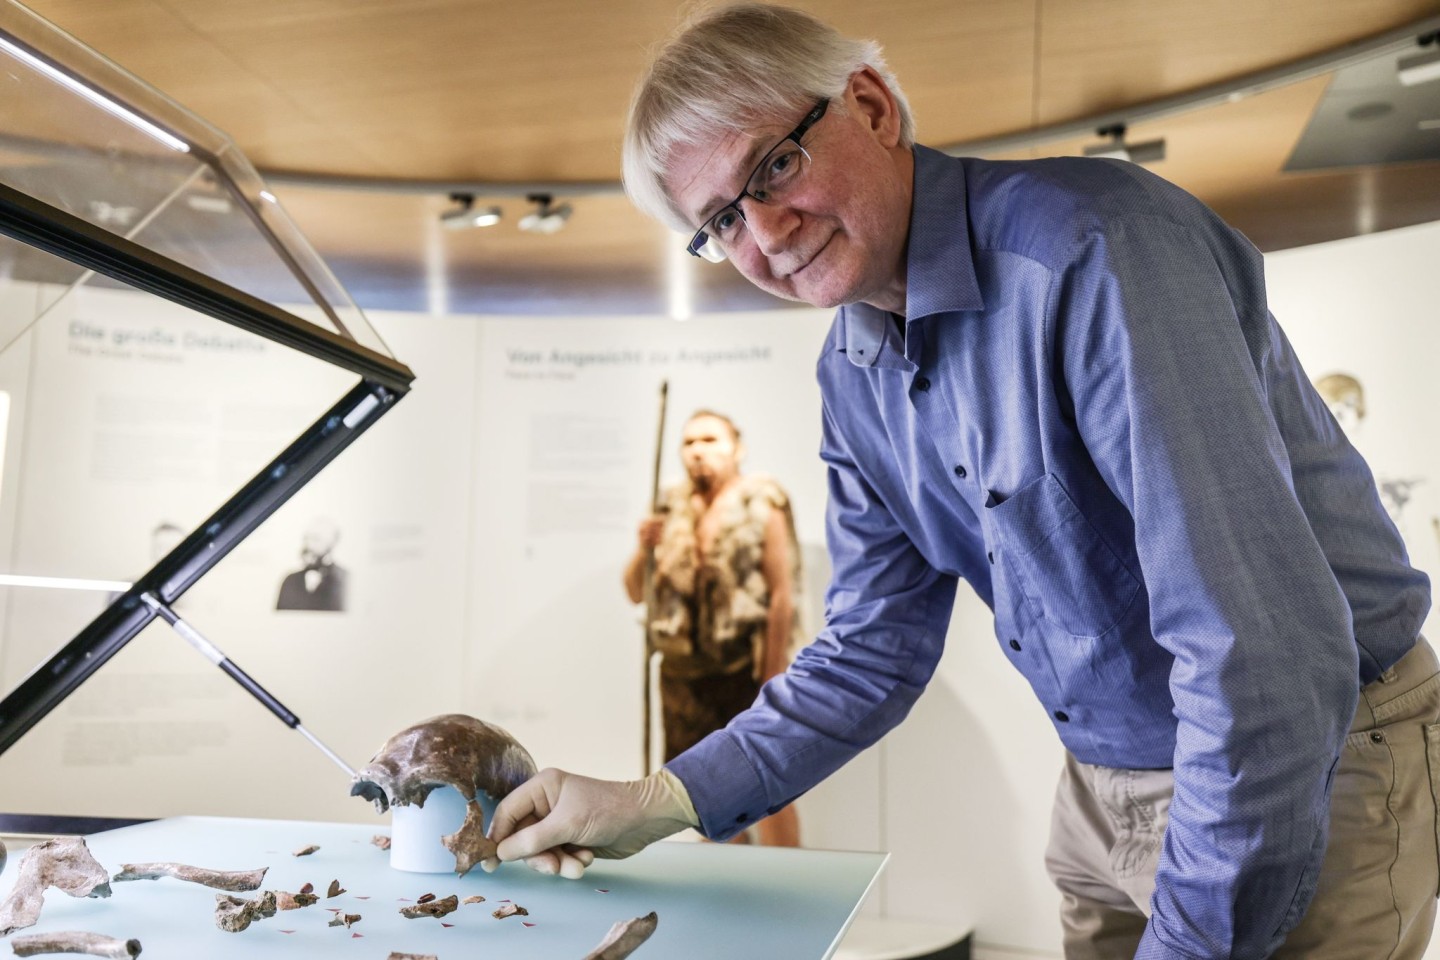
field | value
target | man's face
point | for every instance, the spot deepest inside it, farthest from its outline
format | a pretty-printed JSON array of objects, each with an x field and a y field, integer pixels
[
  {"x": 710, "y": 452},
  {"x": 317, "y": 541},
  {"x": 840, "y": 236}
]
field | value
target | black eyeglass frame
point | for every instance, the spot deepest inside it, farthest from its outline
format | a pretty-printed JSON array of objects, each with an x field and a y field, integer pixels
[{"x": 701, "y": 236}]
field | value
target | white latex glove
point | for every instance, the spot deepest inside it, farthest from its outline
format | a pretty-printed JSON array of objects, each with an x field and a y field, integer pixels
[{"x": 559, "y": 822}]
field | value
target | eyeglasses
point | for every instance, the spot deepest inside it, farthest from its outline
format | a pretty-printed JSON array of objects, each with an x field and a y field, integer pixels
[{"x": 774, "y": 176}]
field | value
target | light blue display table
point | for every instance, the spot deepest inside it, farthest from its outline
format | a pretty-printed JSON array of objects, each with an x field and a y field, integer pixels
[{"x": 714, "y": 900}]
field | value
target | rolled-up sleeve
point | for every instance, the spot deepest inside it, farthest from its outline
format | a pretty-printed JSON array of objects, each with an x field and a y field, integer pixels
[
  {"x": 1165, "y": 343},
  {"x": 887, "y": 611}
]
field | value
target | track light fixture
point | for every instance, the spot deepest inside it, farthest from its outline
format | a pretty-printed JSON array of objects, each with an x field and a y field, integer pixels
[
  {"x": 1151, "y": 151},
  {"x": 466, "y": 215},
  {"x": 546, "y": 217},
  {"x": 1421, "y": 67}
]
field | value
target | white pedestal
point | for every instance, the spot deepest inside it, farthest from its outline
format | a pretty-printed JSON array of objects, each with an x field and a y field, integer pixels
[{"x": 885, "y": 939}]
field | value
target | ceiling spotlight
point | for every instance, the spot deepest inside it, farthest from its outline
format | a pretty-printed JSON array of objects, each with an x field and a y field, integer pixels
[
  {"x": 546, "y": 217},
  {"x": 1151, "y": 151},
  {"x": 1421, "y": 67},
  {"x": 466, "y": 215}
]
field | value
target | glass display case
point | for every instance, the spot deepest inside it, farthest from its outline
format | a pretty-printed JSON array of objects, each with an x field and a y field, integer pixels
[{"x": 176, "y": 362}]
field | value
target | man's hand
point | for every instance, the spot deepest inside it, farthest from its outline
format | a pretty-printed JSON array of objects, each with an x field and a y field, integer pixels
[
  {"x": 648, "y": 533},
  {"x": 559, "y": 822}
]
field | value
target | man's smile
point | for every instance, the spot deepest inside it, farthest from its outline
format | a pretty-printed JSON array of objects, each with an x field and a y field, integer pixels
[{"x": 805, "y": 265}]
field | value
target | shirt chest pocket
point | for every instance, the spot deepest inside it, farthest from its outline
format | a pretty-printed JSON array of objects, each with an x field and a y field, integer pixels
[{"x": 1043, "y": 544}]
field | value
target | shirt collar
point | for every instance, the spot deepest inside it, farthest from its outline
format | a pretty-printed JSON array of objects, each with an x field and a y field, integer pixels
[{"x": 939, "y": 267}]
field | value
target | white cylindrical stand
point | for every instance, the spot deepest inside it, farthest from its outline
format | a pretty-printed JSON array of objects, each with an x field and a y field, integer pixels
[{"x": 415, "y": 832}]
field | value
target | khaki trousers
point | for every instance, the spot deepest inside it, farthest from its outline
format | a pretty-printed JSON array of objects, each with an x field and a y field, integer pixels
[{"x": 1381, "y": 873}]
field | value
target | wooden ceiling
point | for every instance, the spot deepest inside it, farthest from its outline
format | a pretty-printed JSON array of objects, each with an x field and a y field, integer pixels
[{"x": 436, "y": 91}]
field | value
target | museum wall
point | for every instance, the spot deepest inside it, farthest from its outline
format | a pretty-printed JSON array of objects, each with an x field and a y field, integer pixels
[{"x": 483, "y": 525}]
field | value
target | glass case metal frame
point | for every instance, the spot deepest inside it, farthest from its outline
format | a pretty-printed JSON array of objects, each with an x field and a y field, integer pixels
[{"x": 49, "y": 228}]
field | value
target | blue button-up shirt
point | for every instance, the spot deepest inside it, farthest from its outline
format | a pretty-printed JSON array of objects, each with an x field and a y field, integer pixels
[{"x": 1089, "y": 414}]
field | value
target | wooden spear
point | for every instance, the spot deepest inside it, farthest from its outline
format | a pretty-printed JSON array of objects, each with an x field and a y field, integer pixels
[{"x": 650, "y": 575}]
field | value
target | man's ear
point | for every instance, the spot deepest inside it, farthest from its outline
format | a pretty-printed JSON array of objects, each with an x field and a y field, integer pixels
[{"x": 870, "y": 100}]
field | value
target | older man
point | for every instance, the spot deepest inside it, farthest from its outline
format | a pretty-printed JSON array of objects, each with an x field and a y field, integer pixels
[{"x": 1058, "y": 380}]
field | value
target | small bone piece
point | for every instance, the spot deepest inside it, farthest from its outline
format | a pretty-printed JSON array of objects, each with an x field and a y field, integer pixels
[
  {"x": 64, "y": 862},
  {"x": 470, "y": 755},
  {"x": 32, "y": 945},
  {"x": 383, "y": 842},
  {"x": 412, "y": 956},
  {"x": 432, "y": 908},
  {"x": 233, "y": 914},
  {"x": 308, "y": 888},
  {"x": 425, "y": 898},
  {"x": 306, "y": 851},
  {"x": 295, "y": 901},
  {"x": 475, "y": 899},
  {"x": 469, "y": 843},
  {"x": 334, "y": 890},
  {"x": 344, "y": 918},
  {"x": 625, "y": 938},
  {"x": 510, "y": 910},
  {"x": 235, "y": 880}
]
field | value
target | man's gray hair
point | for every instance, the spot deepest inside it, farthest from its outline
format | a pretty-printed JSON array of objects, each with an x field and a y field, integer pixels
[{"x": 726, "y": 71}]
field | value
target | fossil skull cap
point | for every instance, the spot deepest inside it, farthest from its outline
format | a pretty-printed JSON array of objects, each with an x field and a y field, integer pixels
[{"x": 453, "y": 750}]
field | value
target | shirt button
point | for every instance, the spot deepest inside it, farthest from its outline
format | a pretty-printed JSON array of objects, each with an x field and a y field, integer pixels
[
  {"x": 1014, "y": 644},
  {"x": 921, "y": 383},
  {"x": 990, "y": 557},
  {"x": 960, "y": 470},
  {"x": 1377, "y": 737},
  {"x": 1062, "y": 716}
]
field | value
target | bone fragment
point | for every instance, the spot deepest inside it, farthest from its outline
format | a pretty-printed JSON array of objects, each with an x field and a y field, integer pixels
[
  {"x": 64, "y": 863},
  {"x": 93, "y": 944},
  {"x": 335, "y": 890},
  {"x": 233, "y": 914},
  {"x": 625, "y": 938},
  {"x": 306, "y": 851},
  {"x": 383, "y": 842},
  {"x": 469, "y": 843},
  {"x": 510, "y": 910},
  {"x": 234, "y": 880},
  {"x": 412, "y": 956},
  {"x": 294, "y": 901},
  {"x": 345, "y": 919},
  {"x": 425, "y": 898},
  {"x": 308, "y": 888},
  {"x": 432, "y": 908},
  {"x": 470, "y": 755},
  {"x": 475, "y": 899}
]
